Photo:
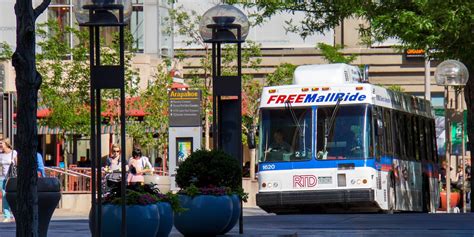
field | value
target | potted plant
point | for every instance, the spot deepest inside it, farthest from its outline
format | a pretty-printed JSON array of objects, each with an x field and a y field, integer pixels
[
  {"x": 455, "y": 197},
  {"x": 149, "y": 212},
  {"x": 211, "y": 193}
]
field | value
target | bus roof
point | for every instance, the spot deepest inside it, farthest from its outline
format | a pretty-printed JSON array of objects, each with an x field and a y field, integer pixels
[{"x": 327, "y": 93}]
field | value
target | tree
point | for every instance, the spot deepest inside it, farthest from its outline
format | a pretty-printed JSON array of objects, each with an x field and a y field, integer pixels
[
  {"x": 66, "y": 81},
  {"x": 28, "y": 82},
  {"x": 5, "y": 51},
  {"x": 332, "y": 54},
  {"x": 154, "y": 99},
  {"x": 442, "y": 26}
]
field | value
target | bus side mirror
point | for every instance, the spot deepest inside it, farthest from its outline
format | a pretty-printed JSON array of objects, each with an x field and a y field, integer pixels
[{"x": 251, "y": 137}]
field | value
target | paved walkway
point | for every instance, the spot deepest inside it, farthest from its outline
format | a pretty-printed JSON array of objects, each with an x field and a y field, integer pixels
[{"x": 259, "y": 223}]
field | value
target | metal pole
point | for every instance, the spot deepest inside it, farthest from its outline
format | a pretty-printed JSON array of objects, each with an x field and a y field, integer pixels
[
  {"x": 463, "y": 150},
  {"x": 122, "y": 129},
  {"x": 214, "y": 99},
  {"x": 427, "y": 77},
  {"x": 447, "y": 149},
  {"x": 92, "y": 138}
]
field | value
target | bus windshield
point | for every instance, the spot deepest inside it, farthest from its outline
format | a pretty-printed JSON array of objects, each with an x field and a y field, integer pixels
[
  {"x": 285, "y": 134},
  {"x": 349, "y": 137}
]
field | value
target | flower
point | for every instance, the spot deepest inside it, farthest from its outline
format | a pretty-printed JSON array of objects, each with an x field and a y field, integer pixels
[{"x": 141, "y": 195}]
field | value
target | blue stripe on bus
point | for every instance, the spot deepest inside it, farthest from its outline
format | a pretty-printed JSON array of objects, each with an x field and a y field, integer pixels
[{"x": 311, "y": 164}]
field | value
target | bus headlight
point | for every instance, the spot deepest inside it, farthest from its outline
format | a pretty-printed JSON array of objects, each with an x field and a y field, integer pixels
[
  {"x": 359, "y": 181},
  {"x": 270, "y": 185}
]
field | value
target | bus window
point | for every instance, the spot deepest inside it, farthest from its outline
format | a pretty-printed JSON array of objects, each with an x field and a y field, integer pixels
[
  {"x": 409, "y": 138},
  {"x": 416, "y": 138},
  {"x": 388, "y": 132},
  {"x": 433, "y": 139},
  {"x": 423, "y": 147},
  {"x": 429, "y": 141},
  {"x": 286, "y": 135},
  {"x": 402, "y": 137},
  {"x": 396, "y": 134},
  {"x": 350, "y": 135},
  {"x": 379, "y": 133}
]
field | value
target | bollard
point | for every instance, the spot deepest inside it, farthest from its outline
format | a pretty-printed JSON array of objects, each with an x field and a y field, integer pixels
[{"x": 49, "y": 194}]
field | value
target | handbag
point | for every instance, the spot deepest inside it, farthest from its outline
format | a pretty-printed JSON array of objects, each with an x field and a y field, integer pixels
[{"x": 12, "y": 171}]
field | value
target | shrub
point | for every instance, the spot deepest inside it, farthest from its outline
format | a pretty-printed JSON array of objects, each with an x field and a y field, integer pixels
[
  {"x": 210, "y": 169},
  {"x": 141, "y": 195}
]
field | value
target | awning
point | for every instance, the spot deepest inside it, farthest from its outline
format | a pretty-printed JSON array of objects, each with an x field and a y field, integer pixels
[{"x": 105, "y": 129}]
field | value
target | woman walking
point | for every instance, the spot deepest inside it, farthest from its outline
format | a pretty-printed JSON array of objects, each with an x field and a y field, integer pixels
[{"x": 7, "y": 159}]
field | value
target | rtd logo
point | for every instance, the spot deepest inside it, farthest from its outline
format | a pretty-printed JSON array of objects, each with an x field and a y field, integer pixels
[{"x": 304, "y": 181}]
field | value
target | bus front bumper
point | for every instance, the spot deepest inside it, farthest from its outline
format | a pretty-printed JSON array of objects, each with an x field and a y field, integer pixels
[{"x": 317, "y": 201}]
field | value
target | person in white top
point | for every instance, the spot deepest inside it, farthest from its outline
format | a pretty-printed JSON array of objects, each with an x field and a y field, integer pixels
[
  {"x": 138, "y": 166},
  {"x": 8, "y": 157}
]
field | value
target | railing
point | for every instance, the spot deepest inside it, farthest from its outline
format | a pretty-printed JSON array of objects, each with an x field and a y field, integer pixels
[{"x": 78, "y": 179}]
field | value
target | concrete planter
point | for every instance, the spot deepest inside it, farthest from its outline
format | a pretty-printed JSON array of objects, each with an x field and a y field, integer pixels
[
  {"x": 142, "y": 220},
  {"x": 49, "y": 195},
  {"x": 206, "y": 215},
  {"x": 166, "y": 219}
]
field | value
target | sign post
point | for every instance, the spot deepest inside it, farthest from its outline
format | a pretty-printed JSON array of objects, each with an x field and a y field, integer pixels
[{"x": 185, "y": 128}]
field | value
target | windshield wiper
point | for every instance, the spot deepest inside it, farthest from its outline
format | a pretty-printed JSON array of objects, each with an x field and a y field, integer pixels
[
  {"x": 289, "y": 107},
  {"x": 323, "y": 154}
]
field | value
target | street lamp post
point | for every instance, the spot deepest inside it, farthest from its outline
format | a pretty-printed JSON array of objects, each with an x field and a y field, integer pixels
[
  {"x": 95, "y": 14},
  {"x": 225, "y": 24},
  {"x": 450, "y": 73}
]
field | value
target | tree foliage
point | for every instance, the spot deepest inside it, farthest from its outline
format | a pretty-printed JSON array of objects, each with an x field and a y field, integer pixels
[
  {"x": 6, "y": 51},
  {"x": 283, "y": 75},
  {"x": 66, "y": 81},
  {"x": 154, "y": 99},
  {"x": 332, "y": 54}
]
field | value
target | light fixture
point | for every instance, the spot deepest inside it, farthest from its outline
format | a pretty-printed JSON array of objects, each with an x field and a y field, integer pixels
[
  {"x": 451, "y": 73},
  {"x": 110, "y": 13},
  {"x": 227, "y": 18}
]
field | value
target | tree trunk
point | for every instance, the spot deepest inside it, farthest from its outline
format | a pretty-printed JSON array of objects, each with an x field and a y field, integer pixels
[{"x": 28, "y": 81}]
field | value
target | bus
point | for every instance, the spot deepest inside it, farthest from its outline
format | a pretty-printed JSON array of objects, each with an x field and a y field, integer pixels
[{"x": 332, "y": 142}]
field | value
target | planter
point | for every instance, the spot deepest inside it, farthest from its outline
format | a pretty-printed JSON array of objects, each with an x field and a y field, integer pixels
[
  {"x": 235, "y": 214},
  {"x": 48, "y": 198},
  {"x": 454, "y": 200},
  {"x": 206, "y": 215},
  {"x": 166, "y": 219},
  {"x": 142, "y": 220}
]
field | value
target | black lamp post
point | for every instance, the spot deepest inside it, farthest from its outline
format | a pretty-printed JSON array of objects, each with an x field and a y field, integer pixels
[
  {"x": 455, "y": 74},
  {"x": 95, "y": 14},
  {"x": 225, "y": 24}
]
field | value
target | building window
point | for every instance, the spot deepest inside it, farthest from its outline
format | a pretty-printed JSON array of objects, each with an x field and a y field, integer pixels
[
  {"x": 61, "y": 12},
  {"x": 136, "y": 24}
]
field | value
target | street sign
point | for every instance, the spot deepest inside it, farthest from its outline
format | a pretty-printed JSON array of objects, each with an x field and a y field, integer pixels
[{"x": 185, "y": 108}]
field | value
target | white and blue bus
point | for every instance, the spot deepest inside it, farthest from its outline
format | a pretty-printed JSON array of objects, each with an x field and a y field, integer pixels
[{"x": 332, "y": 142}]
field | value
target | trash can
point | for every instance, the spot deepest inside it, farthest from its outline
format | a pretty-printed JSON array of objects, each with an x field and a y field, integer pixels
[{"x": 49, "y": 194}]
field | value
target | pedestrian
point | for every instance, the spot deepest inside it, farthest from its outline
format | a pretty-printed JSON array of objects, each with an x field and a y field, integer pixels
[
  {"x": 113, "y": 163},
  {"x": 39, "y": 158},
  {"x": 138, "y": 166},
  {"x": 8, "y": 159}
]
